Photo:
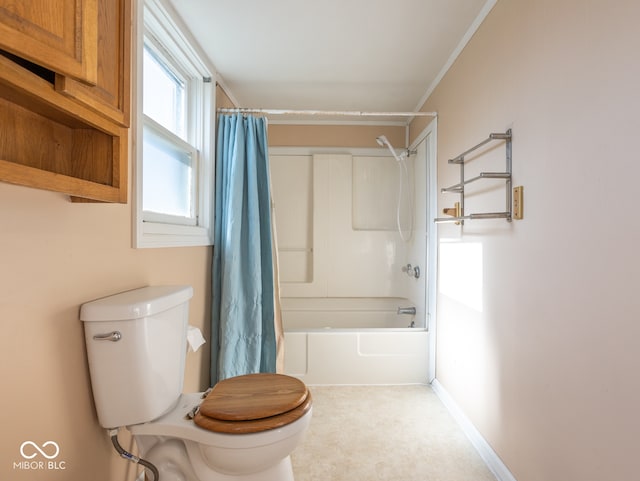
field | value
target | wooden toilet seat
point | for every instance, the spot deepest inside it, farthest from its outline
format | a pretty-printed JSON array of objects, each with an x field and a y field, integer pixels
[{"x": 252, "y": 403}]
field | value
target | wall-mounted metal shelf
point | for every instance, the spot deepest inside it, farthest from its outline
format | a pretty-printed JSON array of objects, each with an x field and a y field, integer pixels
[{"x": 459, "y": 187}]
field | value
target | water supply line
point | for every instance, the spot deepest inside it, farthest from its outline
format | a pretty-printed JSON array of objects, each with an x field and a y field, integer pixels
[{"x": 113, "y": 434}]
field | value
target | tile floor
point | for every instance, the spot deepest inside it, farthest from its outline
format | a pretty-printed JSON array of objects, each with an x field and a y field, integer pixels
[{"x": 384, "y": 433}]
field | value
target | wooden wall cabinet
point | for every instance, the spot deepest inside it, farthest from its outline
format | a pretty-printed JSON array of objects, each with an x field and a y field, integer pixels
[
  {"x": 60, "y": 130},
  {"x": 111, "y": 94},
  {"x": 60, "y": 35}
]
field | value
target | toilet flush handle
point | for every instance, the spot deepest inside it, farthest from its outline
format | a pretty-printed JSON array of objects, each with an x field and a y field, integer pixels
[{"x": 110, "y": 336}]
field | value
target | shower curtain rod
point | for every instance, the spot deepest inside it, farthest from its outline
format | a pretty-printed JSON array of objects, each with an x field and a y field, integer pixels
[{"x": 332, "y": 113}]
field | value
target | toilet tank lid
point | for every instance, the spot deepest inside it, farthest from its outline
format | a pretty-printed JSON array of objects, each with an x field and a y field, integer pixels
[{"x": 135, "y": 304}]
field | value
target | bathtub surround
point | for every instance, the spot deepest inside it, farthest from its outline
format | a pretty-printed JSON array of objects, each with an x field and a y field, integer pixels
[
  {"x": 344, "y": 263},
  {"x": 353, "y": 341},
  {"x": 337, "y": 224},
  {"x": 243, "y": 333}
]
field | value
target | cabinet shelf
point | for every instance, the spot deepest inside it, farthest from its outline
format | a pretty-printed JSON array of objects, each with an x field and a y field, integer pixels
[
  {"x": 50, "y": 141},
  {"x": 42, "y": 179},
  {"x": 65, "y": 98}
]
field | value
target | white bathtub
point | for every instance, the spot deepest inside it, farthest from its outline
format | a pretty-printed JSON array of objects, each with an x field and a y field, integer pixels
[{"x": 353, "y": 341}]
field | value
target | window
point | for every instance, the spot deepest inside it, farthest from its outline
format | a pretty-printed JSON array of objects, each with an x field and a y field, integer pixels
[
  {"x": 175, "y": 138},
  {"x": 163, "y": 91}
]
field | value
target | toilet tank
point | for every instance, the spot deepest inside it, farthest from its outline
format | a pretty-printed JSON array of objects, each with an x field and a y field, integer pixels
[{"x": 136, "y": 349}]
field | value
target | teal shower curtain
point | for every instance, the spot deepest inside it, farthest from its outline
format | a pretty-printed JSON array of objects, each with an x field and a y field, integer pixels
[{"x": 243, "y": 338}]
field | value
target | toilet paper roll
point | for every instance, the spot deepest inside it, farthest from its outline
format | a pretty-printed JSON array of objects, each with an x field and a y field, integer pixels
[{"x": 195, "y": 339}]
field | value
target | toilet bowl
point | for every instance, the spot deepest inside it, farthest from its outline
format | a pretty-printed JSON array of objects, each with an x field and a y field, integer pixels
[
  {"x": 176, "y": 445},
  {"x": 265, "y": 417},
  {"x": 244, "y": 429}
]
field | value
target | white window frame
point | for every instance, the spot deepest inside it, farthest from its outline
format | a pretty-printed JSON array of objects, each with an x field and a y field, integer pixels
[{"x": 157, "y": 20}]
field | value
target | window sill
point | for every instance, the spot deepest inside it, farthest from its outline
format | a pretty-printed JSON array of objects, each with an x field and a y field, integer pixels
[{"x": 151, "y": 234}]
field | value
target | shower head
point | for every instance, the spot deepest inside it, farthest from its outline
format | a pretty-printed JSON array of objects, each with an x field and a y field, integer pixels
[{"x": 383, "y": 141}]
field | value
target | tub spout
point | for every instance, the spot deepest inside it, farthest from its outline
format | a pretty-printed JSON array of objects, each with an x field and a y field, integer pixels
[{"x": 407, "y": 310}]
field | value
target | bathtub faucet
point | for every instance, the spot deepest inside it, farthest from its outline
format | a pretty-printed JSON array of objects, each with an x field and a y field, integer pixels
[{"x": 407, "y": 310}]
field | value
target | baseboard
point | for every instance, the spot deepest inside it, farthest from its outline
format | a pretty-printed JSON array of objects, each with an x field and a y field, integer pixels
[{"x": 486, "y": 452}]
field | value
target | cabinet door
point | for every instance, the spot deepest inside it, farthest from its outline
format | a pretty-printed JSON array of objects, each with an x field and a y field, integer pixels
[
  {"x": 111, "y": 94},
  {"x": 60, "y": 35}
]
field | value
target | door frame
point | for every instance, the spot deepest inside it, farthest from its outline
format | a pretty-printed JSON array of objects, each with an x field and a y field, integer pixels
[{"x": 430, "y": 135}]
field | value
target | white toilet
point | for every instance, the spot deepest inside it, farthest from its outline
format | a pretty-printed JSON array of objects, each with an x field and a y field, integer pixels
[{"x": 245, "y": 428}]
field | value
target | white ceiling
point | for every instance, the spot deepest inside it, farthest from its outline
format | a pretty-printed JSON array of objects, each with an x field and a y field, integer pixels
[{"x": 363, "y": 55}]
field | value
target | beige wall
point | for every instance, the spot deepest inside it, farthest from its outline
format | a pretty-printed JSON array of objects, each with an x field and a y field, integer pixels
[
  {"x": 55, "y": 255},
  {"x": 318, "y": 135},
  {"x": 222, "y": 99},
  {"x": 322, "y": 135},
  {"x": 547, "y": 368}
]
